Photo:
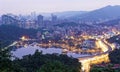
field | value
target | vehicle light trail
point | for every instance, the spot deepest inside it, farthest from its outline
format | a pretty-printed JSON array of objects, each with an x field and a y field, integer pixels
[
  {"x": 13, "y": 44},
  {"x": 90, "y": 60},
  {"x": 96, "y": 59}
]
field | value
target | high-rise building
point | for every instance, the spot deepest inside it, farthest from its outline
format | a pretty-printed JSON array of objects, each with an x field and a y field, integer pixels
[
  {"x": 54, "y": 18},
  {"x": 40, "y": 20},
  {"x": 9, "y": 20},
  {"x": 0, "y": 21},
  {"x": 33, "y": 15}
]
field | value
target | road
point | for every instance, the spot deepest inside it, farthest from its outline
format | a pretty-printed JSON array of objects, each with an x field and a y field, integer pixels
[
  {"x": 96, "y": 59},
  {"x": 87, "y": 61},
  {"x": 13, "y": 44}
]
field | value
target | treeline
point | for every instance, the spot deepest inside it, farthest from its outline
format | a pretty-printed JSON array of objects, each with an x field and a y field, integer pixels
[
  {"x": 38, "y": 63},
  {"x": 106, "y": 68},
  {"x": 10, "y": 32},
  {"x": 67, "y": 24},
  {"x": 113, "y": 66},
  {"x": 114, "y": 39},
  {"x": 114, "y": 57}
]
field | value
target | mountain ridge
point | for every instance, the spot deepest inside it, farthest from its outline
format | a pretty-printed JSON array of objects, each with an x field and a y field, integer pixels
[{"x": 104, "y": 13}]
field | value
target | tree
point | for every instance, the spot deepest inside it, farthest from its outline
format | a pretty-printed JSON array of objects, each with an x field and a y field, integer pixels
[
  {"x": 5, "y": 62},
  {"x": 54, "y": 66},
  {"x": 114, "y": 56},
  {"x": 11, "y": 33},
  {"x": 107, "y": 68},
  {"x": 47, "y": 63}
]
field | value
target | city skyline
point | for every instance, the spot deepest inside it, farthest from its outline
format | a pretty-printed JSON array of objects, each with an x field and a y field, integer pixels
[{"x": 49, "y": 6}]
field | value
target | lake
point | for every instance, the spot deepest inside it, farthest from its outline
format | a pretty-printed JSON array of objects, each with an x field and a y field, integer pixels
[{"x": 31, "y": 50}]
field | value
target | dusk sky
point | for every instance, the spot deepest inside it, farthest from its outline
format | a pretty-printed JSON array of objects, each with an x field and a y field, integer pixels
[{"x": 27, "y": 6}]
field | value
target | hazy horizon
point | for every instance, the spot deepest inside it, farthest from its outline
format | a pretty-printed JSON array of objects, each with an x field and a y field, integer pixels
[{"x": 49, "y": 6}]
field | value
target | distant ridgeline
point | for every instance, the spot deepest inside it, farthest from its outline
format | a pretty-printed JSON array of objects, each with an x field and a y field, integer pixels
[{"x": 66, "y": 24}]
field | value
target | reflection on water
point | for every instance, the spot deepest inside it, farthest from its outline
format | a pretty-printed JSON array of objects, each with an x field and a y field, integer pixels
[{"x": 31, "y": 49}]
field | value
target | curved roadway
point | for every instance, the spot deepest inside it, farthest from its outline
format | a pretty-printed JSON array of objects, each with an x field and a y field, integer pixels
[{"x": 89, "y": 60}]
